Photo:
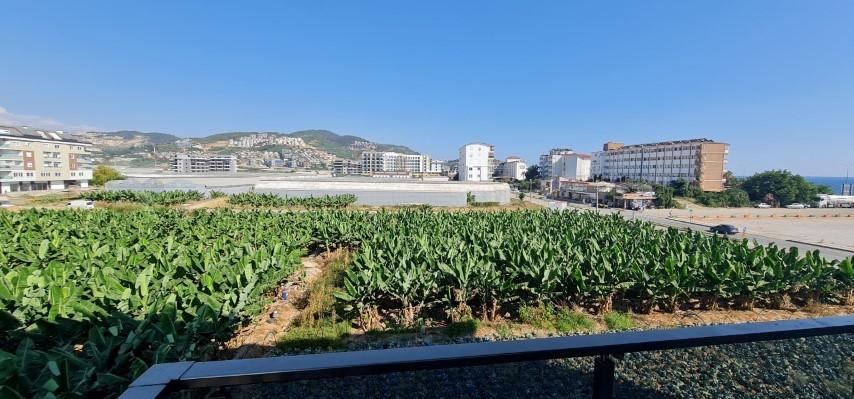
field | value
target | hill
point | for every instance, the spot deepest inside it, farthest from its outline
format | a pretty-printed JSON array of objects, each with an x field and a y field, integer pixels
[
  {"x": 149, "y": 138},
  {"x": 344, "y": 146},
  {"x": 341, "y": 146}
]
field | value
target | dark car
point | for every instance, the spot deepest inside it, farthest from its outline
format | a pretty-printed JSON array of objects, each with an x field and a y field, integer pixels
[{"x": 724, "y": 229}]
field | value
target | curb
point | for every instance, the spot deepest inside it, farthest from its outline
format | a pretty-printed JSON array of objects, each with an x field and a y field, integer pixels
[{"x": 821, "y": 246}]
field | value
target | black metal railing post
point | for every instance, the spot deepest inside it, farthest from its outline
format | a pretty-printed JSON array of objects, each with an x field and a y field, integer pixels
[{"x": 603, "y": 377}]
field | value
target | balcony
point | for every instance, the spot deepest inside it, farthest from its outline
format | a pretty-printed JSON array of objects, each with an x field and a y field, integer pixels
[{"x": 11, "y": 156}]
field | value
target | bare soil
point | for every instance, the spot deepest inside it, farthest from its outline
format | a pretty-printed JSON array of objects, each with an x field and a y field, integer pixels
[{"x": 259, "y": 338}]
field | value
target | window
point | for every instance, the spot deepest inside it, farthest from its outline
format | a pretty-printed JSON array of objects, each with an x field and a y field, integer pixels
[{"x": 57, "y": 174}]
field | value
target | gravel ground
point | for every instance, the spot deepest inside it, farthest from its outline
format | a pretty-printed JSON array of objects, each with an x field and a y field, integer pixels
[{"x": 818, "y": 367}]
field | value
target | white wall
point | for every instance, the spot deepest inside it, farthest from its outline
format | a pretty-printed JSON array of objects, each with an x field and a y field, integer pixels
[
  {"x": 57, "y": 185},
  {"x": 573, "y": 167}
]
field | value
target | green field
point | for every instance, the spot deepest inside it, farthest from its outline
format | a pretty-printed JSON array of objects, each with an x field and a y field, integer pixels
[{"x": 93, "y": 298}]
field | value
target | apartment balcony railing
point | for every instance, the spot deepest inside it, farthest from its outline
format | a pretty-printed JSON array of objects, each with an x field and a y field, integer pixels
[
  {"x": 11, "y": 156},
  {"x": 607, "y": 350}
]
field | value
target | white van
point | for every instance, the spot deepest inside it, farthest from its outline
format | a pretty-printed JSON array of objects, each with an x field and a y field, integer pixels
[{"x": 80, "y": 204}]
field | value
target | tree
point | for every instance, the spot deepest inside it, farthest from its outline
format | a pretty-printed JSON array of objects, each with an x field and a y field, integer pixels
[
  {"x": 521, "y": 196},
  {"x": 731, "y": 197},
  {"x": 783, "y": 186},
  {"x": 533, "y": 173},
  {"x": 103, "y": 173},
  {"x": 664, "y": 196},
  {"x": 680, "y": 187}
]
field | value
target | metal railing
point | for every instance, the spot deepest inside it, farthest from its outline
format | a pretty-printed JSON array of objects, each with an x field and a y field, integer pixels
[{"x": 163, "y": 378}]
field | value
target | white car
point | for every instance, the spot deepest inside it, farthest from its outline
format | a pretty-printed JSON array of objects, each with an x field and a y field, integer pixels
[
  {"x": 763, "y": 205},
  {"x": 796, "y": 206},
  {"x": 80, "y": 204},
  {"x": 4, "y": 203}
]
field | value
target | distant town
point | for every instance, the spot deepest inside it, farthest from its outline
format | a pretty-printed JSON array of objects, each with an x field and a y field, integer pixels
[{"x": 33, "y": 159}]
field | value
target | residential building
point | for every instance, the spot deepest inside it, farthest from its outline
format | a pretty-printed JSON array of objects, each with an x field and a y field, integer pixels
[
  {"x": 32, "y": 160},
  {"x": 474, "y": 162},
  {"x": 699, "y": 161},
  {"x": 573, "y": 166},
  {"x": 438, "y": 166},
  {"x": 548, "y": 161},
  {"x": 586, "y": 192},
  {"x": 512, "y": 168},
  {"x": 374, "y": 162},
  {"x": 346, "y": 167},
  {"x": 203, "y": 163}
]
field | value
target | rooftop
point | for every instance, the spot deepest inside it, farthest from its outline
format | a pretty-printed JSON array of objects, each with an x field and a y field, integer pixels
[
  {"x": 24, "y": 132},
  {"x": 690, "y": 141}
]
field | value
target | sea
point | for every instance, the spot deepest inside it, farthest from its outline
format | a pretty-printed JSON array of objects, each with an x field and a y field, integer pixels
[{"x": 834, "y": 182}]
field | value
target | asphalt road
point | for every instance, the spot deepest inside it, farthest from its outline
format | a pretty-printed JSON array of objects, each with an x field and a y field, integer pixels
[{"x": 827, "y": 252}]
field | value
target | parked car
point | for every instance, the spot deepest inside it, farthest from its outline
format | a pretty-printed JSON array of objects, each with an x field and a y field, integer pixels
[
  {"x": 763, "y": 205},
  {"x": 80, "y": 204},
  {"x": 5, "y": 203},
  {"x": 796, "y": 206},
  {"x": 724, "y": 229}
]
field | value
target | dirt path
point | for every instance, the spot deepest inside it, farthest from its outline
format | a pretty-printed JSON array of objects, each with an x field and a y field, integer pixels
[
  {"x": 208, "y": 203},
  {"x": 259, "y": 338}
]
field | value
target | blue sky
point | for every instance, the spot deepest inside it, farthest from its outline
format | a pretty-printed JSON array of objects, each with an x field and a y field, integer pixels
[{"x": 775, "y": 79}]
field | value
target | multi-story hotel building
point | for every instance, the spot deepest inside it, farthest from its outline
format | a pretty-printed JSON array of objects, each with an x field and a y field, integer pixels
[
  {"x": 199, "y": 163},
  {"x": 387, "y": 161},
  {"x": 32, "y": 159},
  {"x": 700, "y": 161}
]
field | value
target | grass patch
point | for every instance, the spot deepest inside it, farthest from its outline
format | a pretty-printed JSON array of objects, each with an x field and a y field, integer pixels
[
  {"x": 541, "y": 316},
  {"x": 321, "y": 335},
  {"x": 48, "y": 199},
  {"x": 568, "y": 321},
  {"x": 547, "y": 318},
  {"x": 464, "y": 328},
  {"x": 619, "y": 321}
]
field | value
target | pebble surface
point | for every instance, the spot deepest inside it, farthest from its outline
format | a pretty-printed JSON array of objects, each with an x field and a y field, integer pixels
[{"x": 817, "y": 367}]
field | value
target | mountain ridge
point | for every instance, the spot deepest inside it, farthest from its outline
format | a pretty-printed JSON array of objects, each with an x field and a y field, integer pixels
[{"x": 342, "y": 146}]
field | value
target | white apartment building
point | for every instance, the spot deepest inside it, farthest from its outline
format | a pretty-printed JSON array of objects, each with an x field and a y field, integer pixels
[
  {"x": 201, "y": 163},
  {"x": 32, "y": 160},
  {"x": 387, "y": 161},
  {"x": 475, "y": 162},
  {"x": 548, "y": 161},
  {"x": 700, "y": 161},
  {"x": 438, "y": 166},
  {"x": 513, "y": 168},
  {"x": 573, "y": 166}
]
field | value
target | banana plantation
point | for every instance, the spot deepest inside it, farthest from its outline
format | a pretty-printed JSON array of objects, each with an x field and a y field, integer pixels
[
  {"x": 273, "y": 200},
  {"x": 145, "y": 197},
  {"x": 93, "y": 298}
]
